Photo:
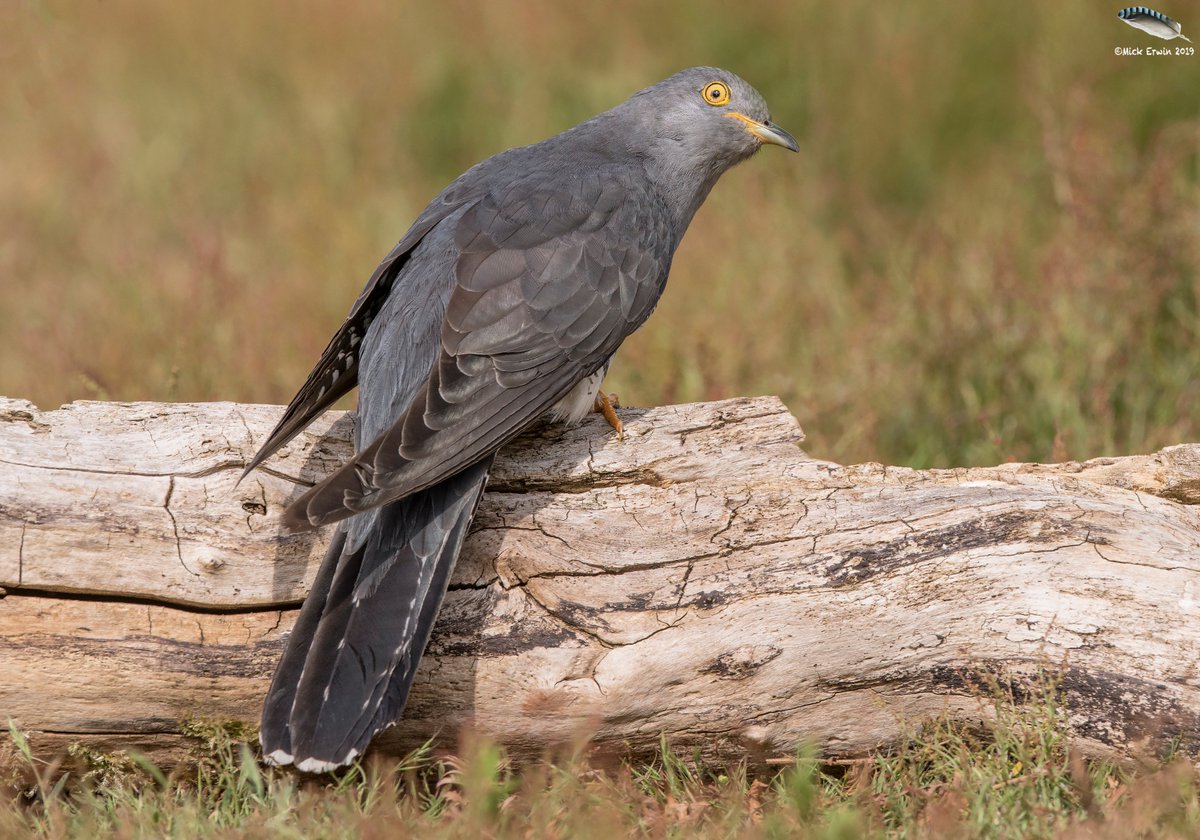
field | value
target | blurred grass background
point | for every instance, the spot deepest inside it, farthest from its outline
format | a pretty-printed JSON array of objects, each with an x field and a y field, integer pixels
[{"x": 986, "y": 250}]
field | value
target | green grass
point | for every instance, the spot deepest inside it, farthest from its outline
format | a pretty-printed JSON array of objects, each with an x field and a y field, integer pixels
[
  {"x": 986, "y": 250},
  {"x": 1015, "y": 778}
]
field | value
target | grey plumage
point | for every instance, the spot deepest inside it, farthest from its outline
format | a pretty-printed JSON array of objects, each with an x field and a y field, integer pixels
[{"x": 505, "y": 300}]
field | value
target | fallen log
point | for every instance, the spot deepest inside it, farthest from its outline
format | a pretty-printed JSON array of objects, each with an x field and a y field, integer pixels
[{"x": 704, "y": 580}]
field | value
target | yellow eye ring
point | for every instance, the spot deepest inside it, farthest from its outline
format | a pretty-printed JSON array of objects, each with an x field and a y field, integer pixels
[{"x": 716, "y": 93}]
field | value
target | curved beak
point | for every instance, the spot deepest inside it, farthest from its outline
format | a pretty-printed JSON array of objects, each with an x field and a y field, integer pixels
[{"x": 768, "y": 132}]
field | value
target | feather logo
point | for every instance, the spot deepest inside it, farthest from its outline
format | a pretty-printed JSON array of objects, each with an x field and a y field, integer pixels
[{"x": 1156, "y": 23}]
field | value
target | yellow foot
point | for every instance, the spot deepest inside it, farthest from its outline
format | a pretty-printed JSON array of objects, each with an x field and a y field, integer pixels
[{"x": 605, "y": 403}]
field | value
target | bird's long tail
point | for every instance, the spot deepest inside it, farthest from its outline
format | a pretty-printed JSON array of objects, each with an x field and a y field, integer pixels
[{"x": 350, "y": 659}]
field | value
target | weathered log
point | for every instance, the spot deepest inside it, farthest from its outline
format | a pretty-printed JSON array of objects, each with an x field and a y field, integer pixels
[{"x": 704, "y": 580}]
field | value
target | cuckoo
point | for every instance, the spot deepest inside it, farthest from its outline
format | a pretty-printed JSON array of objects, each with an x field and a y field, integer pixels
[{"x": 504, "y": 302}]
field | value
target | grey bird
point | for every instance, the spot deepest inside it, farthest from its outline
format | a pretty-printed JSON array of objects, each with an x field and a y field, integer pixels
[{"x": 504, "y": 302}]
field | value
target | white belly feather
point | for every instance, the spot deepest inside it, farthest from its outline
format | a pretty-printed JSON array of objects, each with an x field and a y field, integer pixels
[{"x": 578, "y": 403}]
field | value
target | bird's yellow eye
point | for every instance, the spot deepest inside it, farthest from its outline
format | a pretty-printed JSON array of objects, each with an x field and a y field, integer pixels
[{"x": 716, "y": 93}]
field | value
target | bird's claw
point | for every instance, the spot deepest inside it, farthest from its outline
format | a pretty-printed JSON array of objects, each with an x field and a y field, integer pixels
[{"x": 605, "y": 404}]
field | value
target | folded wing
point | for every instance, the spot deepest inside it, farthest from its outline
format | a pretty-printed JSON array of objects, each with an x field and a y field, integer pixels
[{"x": 548, "y": 282}]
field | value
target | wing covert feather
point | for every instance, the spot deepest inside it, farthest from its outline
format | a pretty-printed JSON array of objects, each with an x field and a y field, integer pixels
[
  {"x": 547, "y": 286},
  {"x": 336, "y": 372}
]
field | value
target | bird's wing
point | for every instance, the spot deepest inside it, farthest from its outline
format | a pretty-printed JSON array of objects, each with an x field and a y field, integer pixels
[
  {"x": 336, "y": 372},
  {"x": 551, "y": 275}
]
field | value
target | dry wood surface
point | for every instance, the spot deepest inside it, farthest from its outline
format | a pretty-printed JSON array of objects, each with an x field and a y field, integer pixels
[{"x": 703, "y": 579}]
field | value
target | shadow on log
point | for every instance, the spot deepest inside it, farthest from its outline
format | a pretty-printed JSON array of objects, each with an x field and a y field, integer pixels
[{"x": 703, "y": 580}]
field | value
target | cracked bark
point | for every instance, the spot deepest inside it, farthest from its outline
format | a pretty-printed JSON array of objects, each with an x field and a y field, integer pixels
[{"x": 703, "y": 580}]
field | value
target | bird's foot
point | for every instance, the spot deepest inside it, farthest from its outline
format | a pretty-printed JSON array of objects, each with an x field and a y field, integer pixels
[{"x": 605, "y": 404}]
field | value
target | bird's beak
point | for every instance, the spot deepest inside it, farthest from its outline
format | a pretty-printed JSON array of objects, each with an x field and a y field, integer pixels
[{"x": 767, "y": 132}]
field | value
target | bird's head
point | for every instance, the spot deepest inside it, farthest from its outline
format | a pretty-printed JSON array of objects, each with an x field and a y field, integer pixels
[
  {"x": 691, "y": 128},
  {"x": 707, "y": 117}
]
